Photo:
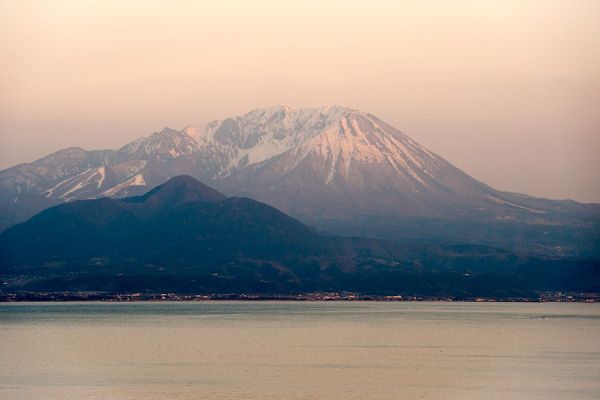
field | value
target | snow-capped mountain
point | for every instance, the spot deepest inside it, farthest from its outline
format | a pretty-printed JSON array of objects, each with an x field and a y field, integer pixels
[
  {"x": 336, "y": 163},
  {"x": 210, "y": 152},
  {"x": 323, "y": 164},
  {"x": 354, "y": 164},
  {"x": 261, "y": 134}
]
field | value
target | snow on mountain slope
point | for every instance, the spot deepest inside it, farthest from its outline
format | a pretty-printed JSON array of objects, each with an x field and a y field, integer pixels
[
  {"x": 320, "y": 163},
  {"x": 216, "y": 150},
  {"x": 89, "y": 180},
  {"x": 261, "y": 134},
  {"x": 357, "y": 164},
  {"x": 348, "y": 164},
  {"x": 136, "y": 180},
  {"x": 74, "y": 174},
  {"x": 164, "y": 145}
]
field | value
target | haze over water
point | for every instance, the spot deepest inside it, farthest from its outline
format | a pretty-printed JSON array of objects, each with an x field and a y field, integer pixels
[{"x": 298, "y": 350}]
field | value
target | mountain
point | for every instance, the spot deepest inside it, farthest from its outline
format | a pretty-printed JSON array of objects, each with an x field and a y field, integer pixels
[
  {"x": 178, "y": 226},
  {"x": 353, "y": 164},
  {"x": 348, "y": 172},
  {"x": 185, "y": 237},
  {"x": 342, "y": 170}
]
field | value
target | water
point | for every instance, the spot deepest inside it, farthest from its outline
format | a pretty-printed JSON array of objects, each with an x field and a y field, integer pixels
[{"x": 299, "y": 350}]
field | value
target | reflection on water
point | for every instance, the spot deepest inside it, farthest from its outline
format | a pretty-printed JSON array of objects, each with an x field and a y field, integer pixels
[{"x": 299, "y": 350}]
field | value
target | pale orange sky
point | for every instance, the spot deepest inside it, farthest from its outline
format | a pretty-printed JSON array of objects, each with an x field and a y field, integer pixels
[{"x": 509, "y": 91}]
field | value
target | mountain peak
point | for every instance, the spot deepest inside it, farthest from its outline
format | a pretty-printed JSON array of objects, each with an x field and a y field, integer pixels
[
  {"x": 179, "y": 190},
  {"x": 167, "y": 130},
  {"x": 272, "y": 110},
  {"x": 318, "y": 163},
  {"x": 184, "y": 180},
  {"x": 336, "y": 109},
  {"x": 328, "y": 109},
  {"x": 167, "y": 143}
]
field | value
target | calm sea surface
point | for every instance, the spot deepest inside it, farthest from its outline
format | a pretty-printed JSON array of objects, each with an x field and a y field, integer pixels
[{"x": 299, "y": 350}]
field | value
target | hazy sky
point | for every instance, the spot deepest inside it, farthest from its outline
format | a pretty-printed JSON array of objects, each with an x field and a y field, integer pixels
[{"x": 509, "y": 91}]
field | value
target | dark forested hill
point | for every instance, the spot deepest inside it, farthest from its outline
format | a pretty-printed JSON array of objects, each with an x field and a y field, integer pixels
[{"x": 185, "y": 237}]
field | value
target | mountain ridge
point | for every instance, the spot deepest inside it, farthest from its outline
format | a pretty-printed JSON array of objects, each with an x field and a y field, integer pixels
[
  {"x": 209, "y": 243},
  {"x": 320, "y": 165}
]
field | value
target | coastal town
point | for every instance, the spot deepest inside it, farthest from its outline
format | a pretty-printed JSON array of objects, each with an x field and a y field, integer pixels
[{"x": 557, "y": 297}]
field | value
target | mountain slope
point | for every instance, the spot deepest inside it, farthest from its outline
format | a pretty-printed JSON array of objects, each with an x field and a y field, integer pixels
[
  {"x": 76, "y": 174},
  {"x": 359, "y": 165},
  {"x": 178, "y": 226},
  {"x": 340, "y": 169},
  {"x": 360, "y": 176},
  {"x": 185, "y": 237}
]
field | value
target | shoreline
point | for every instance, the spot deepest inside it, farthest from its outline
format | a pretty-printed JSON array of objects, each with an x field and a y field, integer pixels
[{"x": 61, "y": 297}]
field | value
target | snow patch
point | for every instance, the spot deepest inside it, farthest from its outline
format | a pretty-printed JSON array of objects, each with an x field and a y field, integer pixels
[
  {"x": 92, "y": 173},
  {"x": 64, "y": 182},
  {"x": 102, "y": 172},
  {"x": 508, "y": 203},
  {"x": 136, "y": 180}
]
